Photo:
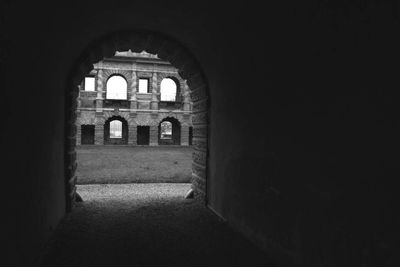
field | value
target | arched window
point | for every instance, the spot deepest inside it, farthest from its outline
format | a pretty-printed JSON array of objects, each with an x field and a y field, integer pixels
[
  {"x": 166, "y": 130},
  {"x": 168, "y": 90},
  {"x": 115, "y": 129},
  {"x": 116, "y": 88}
]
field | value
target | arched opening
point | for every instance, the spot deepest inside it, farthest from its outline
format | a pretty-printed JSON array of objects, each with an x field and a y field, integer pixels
[
  {"x": 166, "y": 130},
  {"x": 166, "y": 48},
  {"x": 169, "y": 130},
  {"x": 116, "y": 88},
  {"x": 168, "y": 90},
  {"x": 116, "y": 131}
]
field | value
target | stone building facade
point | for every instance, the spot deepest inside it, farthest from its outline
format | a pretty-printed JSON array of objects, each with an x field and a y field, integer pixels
[{"x": 140, "y": 112}]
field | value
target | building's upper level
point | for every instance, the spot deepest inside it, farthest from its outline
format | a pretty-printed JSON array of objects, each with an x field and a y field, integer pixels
[{"x": 134, "y": 81}]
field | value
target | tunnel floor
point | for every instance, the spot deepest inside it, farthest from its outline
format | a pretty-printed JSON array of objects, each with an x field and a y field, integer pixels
[{"x": 146, "y": 225}]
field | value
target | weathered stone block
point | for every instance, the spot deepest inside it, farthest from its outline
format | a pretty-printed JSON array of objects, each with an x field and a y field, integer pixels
[
  {"x": 200, "y": 105},
  {"x": 200, "y": 144},
  {"x": 198, "y": 184},
  {"x": 200, "y": 131},
  {"x": 143, "y": 105},
  {"x": 199, "y": 118},
  {"x": 199, "y": 170},
  {"x": 198, "y": 94},
  {"x": 199, "y": 157}
]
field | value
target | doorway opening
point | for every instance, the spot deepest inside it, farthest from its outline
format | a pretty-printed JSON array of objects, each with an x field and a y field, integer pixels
[
  {"x": 87, "y": 134},
  {"x": 143, "y": 135}
]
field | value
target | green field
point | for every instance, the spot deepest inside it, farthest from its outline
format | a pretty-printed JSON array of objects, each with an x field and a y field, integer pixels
[{"x": 133, "y": 164}]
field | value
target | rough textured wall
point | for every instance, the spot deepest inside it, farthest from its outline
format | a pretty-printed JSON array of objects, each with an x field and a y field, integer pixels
[
  {"x": 303, "y": 132},
  {"x": 306, "y": 157}
]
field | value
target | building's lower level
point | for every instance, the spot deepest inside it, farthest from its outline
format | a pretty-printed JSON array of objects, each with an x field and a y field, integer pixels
[{"x": 141, "y": 127}]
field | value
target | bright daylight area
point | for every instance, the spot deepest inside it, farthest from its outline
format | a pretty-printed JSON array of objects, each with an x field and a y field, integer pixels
[{"x": 134, "y": 123}]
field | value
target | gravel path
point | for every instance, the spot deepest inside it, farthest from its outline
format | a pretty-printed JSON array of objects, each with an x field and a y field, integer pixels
[{"x": 145, "y": 225}]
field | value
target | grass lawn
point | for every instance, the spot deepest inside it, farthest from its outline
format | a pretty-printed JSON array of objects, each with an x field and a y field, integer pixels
[{"x": 128, "y": 164}]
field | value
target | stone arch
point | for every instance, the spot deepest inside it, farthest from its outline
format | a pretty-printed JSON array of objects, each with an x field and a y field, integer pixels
[
  {"x": 176, "y": 131},
  {"x": 125, "y": 115},
  {"x": 180, "y": 84},
  {"x": 108, "y": 74},
  {"x": 125, "y": 131},
  {"x": 167, "y": 48},
  {"x": 169, "y": 115}
]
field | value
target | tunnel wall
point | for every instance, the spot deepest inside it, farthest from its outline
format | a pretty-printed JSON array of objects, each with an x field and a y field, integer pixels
[{"x": 303, "y": 133}]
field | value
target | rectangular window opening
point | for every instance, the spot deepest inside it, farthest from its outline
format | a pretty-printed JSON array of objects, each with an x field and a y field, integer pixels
[
  {"x": 89, "y": 84},
  {"x": 143, "y": 85}
]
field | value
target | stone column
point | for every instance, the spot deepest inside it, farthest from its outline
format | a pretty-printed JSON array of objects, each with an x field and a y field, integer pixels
[
  {"x": 133, "y": 89},
  {"x": 154, "y": 135},
  {"x": 132, "y": 132},
  {"x": 184, "y": 135},
  {"x": 99, "y": 134},
  {"x": 154, "y": 91},
  {"x": 99, "y": 89},
  {"x": 78, "y": 134}
]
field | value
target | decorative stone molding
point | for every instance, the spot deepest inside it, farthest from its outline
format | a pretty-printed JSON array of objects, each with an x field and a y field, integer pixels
[
  {"x": 111, "y": 72},
  {"x": 144, "y": 120},
  {"x": 169, "y": 115},
  {"x": 125, "y": 66},
  {"x": 144, "y": 74},
  {"x": 86, "y": 118},
  {"x": 116, "y": 113}
]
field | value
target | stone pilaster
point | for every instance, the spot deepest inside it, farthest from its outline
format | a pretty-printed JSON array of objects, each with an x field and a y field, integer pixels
[
  {"x": 184, "y": 135},
  {"x": 99, "y": 134},
  {"x": 154, "y": 135},
  {"x": 154, "y": 91},
  {"x": 132, "y": 132},
  {"x": 186, "y": 98},
  {"x": 133, "y": 90},
  {"x": 99, "y": 89}
]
